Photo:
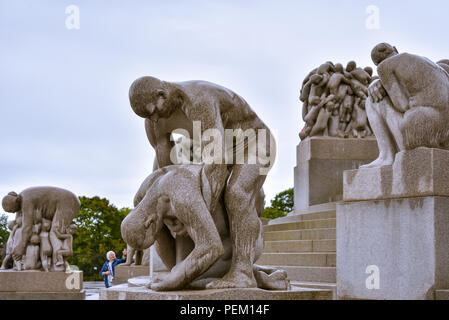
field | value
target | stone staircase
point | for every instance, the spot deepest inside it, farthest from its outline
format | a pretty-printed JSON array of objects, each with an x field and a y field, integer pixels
[{"x": 305, "y": 246}]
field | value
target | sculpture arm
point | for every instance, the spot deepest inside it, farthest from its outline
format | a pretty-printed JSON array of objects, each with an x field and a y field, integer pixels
[
  {"x": 27, "y": 229},
  {"x": 61, "y": 236},
  {"x": 208, "y": 247},
  {"x": 161, "y": 143},
  {"x": 165, "y": 247},
  {"x": 394, "y": 87}
]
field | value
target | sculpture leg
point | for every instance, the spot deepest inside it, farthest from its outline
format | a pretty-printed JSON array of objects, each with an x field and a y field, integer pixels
[
  {"x": 129, "y": 255},
  {"x": 208, "y": 247},
  {"x": 385, "y": 122},
  {"x": 6, "y": 261},
  {"x": 245, "y": 226},
  {"x": 425, "y": 126}
]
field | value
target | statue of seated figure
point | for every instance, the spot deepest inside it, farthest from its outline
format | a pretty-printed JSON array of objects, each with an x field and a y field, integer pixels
[{"x": 408, "y": 107}]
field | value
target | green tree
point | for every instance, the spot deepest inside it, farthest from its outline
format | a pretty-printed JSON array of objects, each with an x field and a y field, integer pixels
[
  {"x": 4, "y": 232},
  {"x": 98, "y": 232},
  {"x": 281, "y": 205}
]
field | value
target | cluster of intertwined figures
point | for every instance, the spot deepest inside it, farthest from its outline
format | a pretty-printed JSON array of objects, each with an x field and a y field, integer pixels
[{"x": 334, "y": 101}]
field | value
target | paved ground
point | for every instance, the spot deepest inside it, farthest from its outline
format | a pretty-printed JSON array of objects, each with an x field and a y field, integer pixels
[{"x": 92, "y": 289}]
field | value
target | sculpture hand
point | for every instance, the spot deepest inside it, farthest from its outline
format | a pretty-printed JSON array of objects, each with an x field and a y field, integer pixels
[
  {"x": 377, "y": 91},
  {"x": 16, "y": 257}
]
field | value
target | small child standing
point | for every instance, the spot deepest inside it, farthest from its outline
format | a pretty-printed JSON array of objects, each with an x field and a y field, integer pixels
[{"x": 45, "y": 249}]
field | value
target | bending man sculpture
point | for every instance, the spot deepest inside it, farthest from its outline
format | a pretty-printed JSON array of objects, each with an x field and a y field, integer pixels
[
  {"x": 35, "y": 205},
  {"x": 168, "y": 106},
  {"x": 408, "y": 107}
]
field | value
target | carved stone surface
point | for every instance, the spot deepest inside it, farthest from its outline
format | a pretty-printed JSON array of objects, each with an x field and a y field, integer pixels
[
  {"x": 334, "y": 101},
  {"x": 38, "y": 285},
  {"x": 415, "y": 173},
  {"x": 41, "y": 234},
  {"x": 394, "y": 220},
  {"x": 135, "y": 290},
  {"x": 203, "y": 216},
  {"x": 162, "y": 215},
  {"x": 408, "y": 107},
  {"x": 320, "y": 164},
  {"x": 406, "y": 239}
]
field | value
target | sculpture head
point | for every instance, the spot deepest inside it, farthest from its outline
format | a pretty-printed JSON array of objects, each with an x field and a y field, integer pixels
[
  {"x": 71, "y": 229},
  {"x": 152, "y": 98},
  {"x": 35, "y": 240},
  {"x": 444, "y": 64},
  {"x": 141, "y": 225},
  {"x": 383, "y": 51},
  {"x": 369, "y": 70},
  {"x": 46, "y": 224},
  {"x": 339, "y": 68},
  {"x": 12, "y": 202},
  {"x": 316, "y": 79},
  {"x": 351, "y": 66}
]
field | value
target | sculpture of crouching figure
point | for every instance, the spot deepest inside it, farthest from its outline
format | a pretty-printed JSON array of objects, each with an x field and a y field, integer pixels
[{"x": 408, "y": 107}]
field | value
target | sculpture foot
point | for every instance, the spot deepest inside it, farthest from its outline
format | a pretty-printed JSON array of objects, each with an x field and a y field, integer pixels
[
  {"x": 164, "y": 286},
  {"x": 273, "y": 281},
  {"x": 380, "y": 162},
  {"x": 237, "y": 280},
  {"x": 167, "y": 283}
]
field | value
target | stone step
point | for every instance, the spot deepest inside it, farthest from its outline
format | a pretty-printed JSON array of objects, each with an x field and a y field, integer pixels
[
  {"x": 316, "y": 285},
  {"x": 300, "y": 246},
  {"x": 330, "y": 214},
  {"x": 310, "y": 274},
  {"x": 308, "y": 224},
  {"x": 312, "y": 259},
  {"x": 325, "y": 214},
  {"x": 305, "y": 234}
]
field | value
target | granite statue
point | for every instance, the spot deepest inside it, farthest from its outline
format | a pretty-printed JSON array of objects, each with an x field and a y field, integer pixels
[
  {"x": 236, "y": 186},
  {"x": 135, "y": 257},
  {"x": 334, "y": 99},
  {"x": 41, "y": 234},
  {"x": 163, "y": 216},
  {"x": 408, "y": 106}
]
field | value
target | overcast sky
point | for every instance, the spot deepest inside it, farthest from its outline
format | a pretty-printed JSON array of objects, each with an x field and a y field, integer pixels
[{"x": 65, "y": 116}]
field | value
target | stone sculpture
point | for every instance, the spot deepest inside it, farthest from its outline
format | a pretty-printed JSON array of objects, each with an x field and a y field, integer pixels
[
  {"x": 164, "y": 217},
  {"x": 231, "y": 187},
  {"x": 408, "y": 107},
  {"x": 135, "y": 257},
  {"x": 334, "y": 101},
  {"x": 41, "y": 234}
]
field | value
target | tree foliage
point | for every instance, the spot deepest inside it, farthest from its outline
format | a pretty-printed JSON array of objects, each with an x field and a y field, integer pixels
[
  {"x": 4, "y": 231},
  {"x": 98, "y": 232},
  {"x": 281, "y": 205}
]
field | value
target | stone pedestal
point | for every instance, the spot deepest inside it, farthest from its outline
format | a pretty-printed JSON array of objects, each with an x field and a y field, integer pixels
[
  {"x": 320, "y": 165},
  {"x": 393, "y": 229},
  {"x": 41, "y": 285},
  {"x": 135, "y": 290},
  {"x": 123, "y": 273}
]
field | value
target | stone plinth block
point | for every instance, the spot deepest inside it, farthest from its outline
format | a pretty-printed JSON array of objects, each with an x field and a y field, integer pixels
[
  {"x": 321, "y": 162},
  {"x": 393, "y": 229},
  {"x": 41, "y": 285},
  {"x": 132, "y": 291},
  {"x": 403, "y": 243},
  {"x": 123, "y": 273},
  {"x": 416, "y": 173}
]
